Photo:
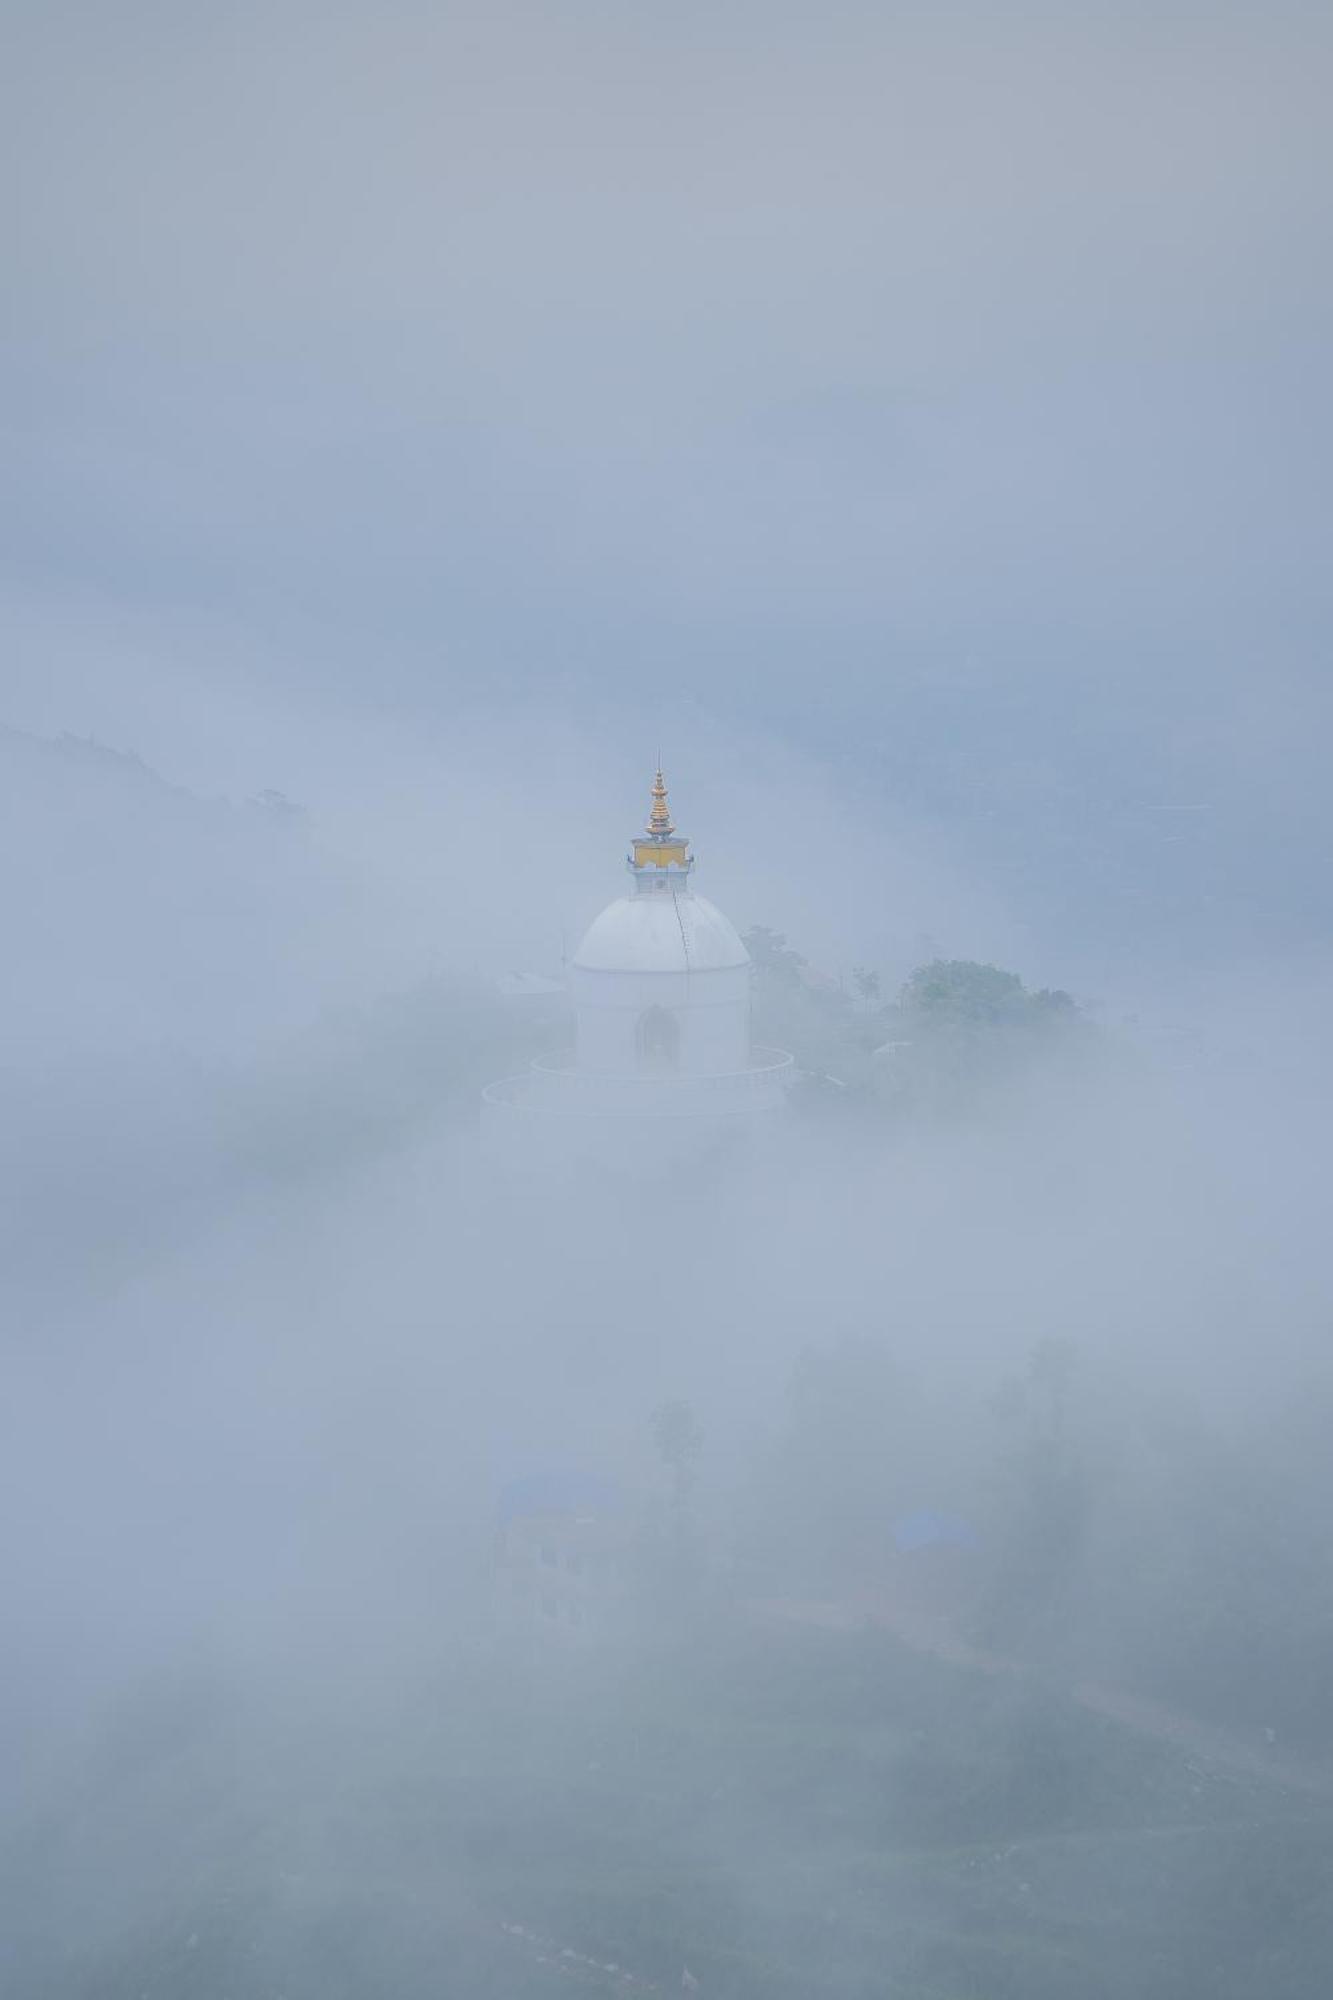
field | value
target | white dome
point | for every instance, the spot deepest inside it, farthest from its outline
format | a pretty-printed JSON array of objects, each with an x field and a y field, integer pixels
[{"x": 668, "y": 932}]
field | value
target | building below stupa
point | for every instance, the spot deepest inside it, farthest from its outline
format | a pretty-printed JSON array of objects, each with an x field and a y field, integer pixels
[{"x": 663, "y": 1068}]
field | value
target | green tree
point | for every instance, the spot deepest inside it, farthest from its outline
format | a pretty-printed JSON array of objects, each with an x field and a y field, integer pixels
[
  {"x": 679, "y": 1440},
  {"x": 961, "y": 992},
  {"x": 771, "y": 955},
  {"x": 970, "y": 1025}
]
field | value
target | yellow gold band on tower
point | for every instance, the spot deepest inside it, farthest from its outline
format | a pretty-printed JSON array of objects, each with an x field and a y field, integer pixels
[{"x": 661, "y": 853}]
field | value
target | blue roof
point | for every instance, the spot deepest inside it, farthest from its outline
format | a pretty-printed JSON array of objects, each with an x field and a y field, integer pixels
[
  {"x": 928, "y": 1530},
  {"x": 558, "y": 1492}
]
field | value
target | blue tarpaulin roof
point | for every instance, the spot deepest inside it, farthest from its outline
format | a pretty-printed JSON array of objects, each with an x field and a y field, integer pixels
[{"x": 927, "y": 1530}]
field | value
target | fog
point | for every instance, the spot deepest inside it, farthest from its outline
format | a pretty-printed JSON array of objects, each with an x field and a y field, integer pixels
[{"x": 910, "y": 427}]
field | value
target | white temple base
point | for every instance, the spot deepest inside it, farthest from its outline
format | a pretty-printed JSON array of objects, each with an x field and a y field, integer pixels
[{"x": 552, "y": 1114}]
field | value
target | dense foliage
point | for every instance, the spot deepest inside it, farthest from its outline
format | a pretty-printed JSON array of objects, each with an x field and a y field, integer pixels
[{"x": 956, "y": 1030}]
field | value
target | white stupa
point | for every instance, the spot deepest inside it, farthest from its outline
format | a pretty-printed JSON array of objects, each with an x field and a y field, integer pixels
[{"x": 662, "y": 1065}]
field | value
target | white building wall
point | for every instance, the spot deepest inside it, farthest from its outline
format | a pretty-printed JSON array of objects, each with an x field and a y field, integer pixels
[{"x": 711, "y": 1011}]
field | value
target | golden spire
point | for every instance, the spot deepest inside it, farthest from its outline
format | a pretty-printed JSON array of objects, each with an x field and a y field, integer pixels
[
  {"x": 659, "y": 819},
  {"x": 660, "y": 855}
]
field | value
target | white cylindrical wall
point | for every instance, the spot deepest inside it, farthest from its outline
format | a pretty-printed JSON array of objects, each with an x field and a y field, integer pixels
[{"x": 711, "y": 1010}]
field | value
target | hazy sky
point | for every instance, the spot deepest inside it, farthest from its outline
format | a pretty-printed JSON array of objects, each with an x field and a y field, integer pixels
[{"x": 943, "y": 390}]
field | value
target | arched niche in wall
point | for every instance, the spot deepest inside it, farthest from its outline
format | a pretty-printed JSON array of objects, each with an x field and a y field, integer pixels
[{"x": 657, "y": 1040}]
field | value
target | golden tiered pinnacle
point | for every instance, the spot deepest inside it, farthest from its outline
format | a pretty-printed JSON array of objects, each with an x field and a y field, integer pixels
[
  {"x": 659, "y": 819},
  {"x": 659, "y": 845}
]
